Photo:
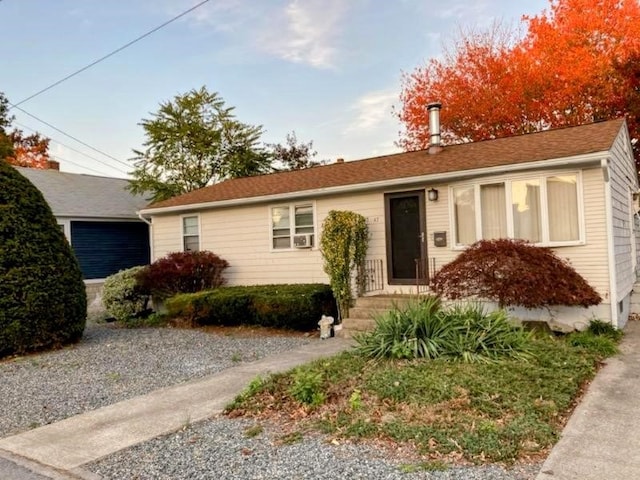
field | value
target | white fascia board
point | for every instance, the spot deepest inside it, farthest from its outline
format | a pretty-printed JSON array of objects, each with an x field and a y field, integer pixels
[
  {"x": 577, "y": 160},
  {"x": 111, "y": 218}
]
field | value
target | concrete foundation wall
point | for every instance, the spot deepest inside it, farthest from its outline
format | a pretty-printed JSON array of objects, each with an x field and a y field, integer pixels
[{"x": 94, "y": 297}]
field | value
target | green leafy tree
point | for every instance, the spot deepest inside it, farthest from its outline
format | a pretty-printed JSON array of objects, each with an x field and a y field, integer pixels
[
  {"x": 293, "y": 155},
  {"x": 6, "y": 145},
  {"x": 195, "y": 141},
  {"x": 43, "y": 301},
  {"x": 344, "y": 242}
]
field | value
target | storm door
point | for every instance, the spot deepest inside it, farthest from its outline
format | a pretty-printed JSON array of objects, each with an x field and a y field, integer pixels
[{"x": 405, "y": 229}]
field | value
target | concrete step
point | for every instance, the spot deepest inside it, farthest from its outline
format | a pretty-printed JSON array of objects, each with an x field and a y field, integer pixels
[
  {"x": 351, "y": 326},
  {"x": 363, "y": 314},
  {"x": 366, "y": 312},
  {"x": 384, "y": 301}
]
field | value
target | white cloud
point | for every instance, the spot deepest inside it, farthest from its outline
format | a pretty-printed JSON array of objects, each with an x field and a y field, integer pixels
[
  {"x": 226, "y": 16},
  {"x": 306, "y": 32},
  {"x": 462, "y": 9},
  {"x": 373, "y": 110}
]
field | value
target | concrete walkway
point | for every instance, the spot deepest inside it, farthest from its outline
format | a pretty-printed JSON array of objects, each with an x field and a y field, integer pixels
[
  {"x": 60, "y": 449},
  {"x": 602, "y": 438}
]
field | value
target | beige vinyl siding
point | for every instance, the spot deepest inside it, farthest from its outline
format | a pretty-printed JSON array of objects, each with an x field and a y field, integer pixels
[
  {"x": 241, "y": 235},
  {"x": 166, "y": 235},
  {"x": 591, "y": 260},
  {"x": 370, "y": 206},
  {"x": 623, "y": 179},
  {"x": 438, "y": 221}
]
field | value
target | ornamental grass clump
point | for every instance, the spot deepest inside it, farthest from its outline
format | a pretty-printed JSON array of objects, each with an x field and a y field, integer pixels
[
  {"x": 599, "y": 336},
  {"x": 425, "y": 329}
]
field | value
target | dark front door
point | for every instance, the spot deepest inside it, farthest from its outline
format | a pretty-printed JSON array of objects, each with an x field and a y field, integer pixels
[{"x": 405, "y": 226}]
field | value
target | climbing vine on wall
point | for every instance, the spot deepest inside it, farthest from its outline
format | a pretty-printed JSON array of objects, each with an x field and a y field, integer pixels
[{"x": 345, "y": 237}]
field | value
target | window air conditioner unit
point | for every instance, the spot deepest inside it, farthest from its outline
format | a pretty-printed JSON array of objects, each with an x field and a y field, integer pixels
[{"x": 302, "y": 241}]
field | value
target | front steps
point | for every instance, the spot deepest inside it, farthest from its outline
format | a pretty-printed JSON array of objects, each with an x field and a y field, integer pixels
[{"x": 362, "y": 315}]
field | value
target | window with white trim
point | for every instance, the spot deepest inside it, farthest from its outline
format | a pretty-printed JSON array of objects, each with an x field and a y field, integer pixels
[
  {"x": 190, "y": 234},
  {"x": 288, "y": 221},
  {"x": 543, "y": 209}
]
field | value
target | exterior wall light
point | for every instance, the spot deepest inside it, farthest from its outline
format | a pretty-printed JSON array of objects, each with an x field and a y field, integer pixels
[{"x": 433, "y": 195}]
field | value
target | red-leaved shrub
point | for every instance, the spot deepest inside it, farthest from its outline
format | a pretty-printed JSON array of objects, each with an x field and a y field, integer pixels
[
  {"x": 183, "y": 272},
  {"x": 514, "y": 272}
]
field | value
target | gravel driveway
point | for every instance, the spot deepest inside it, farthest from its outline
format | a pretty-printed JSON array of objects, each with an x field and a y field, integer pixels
[
  {"x": 112, "y": 364},
  {"x": 220, "y": 449}
]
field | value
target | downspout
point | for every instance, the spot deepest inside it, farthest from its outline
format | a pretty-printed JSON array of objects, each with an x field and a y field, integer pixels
[
  {"x": 148, "y": 222},
  {"x": 613, "y": 280}
]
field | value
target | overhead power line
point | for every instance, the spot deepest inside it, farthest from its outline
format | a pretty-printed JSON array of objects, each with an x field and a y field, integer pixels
[
  {"x": 60, "y": 159},
  {"x": 74, "y": 150},
  {"x": 71, "y": 136},
  {"x": 117, "y": 50}
]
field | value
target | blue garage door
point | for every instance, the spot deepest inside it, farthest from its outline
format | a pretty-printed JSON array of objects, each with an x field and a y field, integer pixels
[{"x": 103, "y": 248}]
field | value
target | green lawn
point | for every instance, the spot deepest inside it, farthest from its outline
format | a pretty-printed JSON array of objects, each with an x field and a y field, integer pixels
[{"x": 446, "y": 410}]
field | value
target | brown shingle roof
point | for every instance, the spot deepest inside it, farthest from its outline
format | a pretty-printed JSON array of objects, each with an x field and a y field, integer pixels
[{"x": 550, "y": 144}]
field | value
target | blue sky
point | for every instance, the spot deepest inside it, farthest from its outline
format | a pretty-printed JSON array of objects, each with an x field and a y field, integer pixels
[{"x": 328, "y": 69}]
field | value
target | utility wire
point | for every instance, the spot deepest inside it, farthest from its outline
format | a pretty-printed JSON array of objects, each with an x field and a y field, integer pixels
[
  {"x": 72, "y": 137},
  {"x": 117, "y": 50},
  {"x": 72, "y": 149},
  {"x": 59, "y": 158}
]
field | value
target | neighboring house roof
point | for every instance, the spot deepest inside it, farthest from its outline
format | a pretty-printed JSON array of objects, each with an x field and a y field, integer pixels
[
  {"x": 534, "y": 147},
  {"x": 79, "y": 195}
]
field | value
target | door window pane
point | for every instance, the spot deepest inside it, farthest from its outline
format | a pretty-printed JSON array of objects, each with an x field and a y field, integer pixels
[
  {"x": 562, "y": 197},
  {"x": 492, "y": 208},
  {"x": 465, "y": 216},
  {"x": 527, "y": 223}
]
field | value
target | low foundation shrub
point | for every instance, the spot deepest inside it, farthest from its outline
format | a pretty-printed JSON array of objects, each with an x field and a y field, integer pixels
[
  {"x": 123, "y": 297},
  {"x": 513, "y": 272},
  {"x": 297, "y": 307},
  {"x": 183, "y": 272}
]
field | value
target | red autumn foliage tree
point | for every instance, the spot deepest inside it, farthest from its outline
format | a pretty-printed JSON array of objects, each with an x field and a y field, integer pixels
[
  {"x": 513, "y": 272},
  {"x": 30, "y": 151},
  {"x": 576, "y": 63}
]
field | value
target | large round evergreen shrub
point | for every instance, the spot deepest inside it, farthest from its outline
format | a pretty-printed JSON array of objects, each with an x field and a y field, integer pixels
[{"x": 43, "y": 301}]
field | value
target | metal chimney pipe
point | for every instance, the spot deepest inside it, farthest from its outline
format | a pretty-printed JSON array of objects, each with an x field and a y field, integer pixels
[{"x": 434, "y": 127}]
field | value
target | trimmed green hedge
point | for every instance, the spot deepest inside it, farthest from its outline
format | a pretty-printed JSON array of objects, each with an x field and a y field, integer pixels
[{"x": 297, "y": 307}]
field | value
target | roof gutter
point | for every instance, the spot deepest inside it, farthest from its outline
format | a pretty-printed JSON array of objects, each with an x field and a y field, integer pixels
[
  {"x": 576, "y": 160},
  {"x": 148, "y": 222}
]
